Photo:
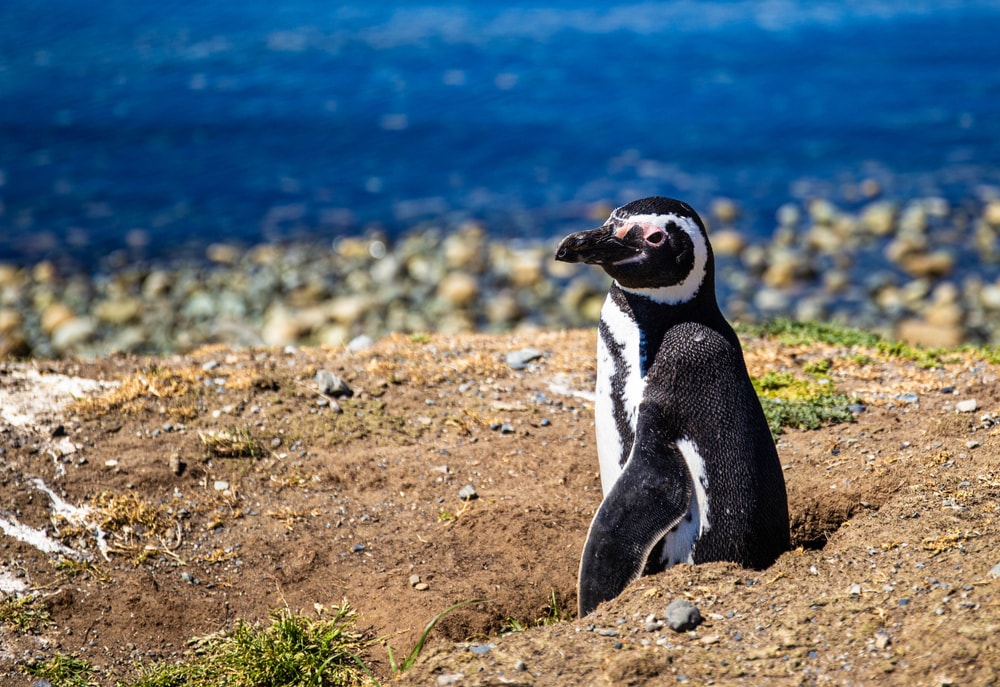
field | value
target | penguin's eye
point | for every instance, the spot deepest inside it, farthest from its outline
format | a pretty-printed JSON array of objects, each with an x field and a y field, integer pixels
[{"x": 655, "y": 238}]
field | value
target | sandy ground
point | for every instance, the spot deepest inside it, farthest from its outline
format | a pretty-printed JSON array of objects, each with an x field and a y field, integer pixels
[{"x": 192, "y": 491}]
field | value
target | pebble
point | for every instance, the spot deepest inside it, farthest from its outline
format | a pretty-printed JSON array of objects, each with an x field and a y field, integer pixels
[
  {"x": 995, "y": 571},
  {"x": 520, "y": 666},
  {"x": 176, "y": 464},
  {"x": 519, "y": 359},
  {"x": 682, "y": 616},
  {"x": 331, "y": 385},
  {"x": 414, "y": 580},
  {"x": 360, "y": 343},
  {"x": 969, "y": 405},
  {"x": 468, "y": 493},
  {"x": 447, "y": 679},
  {"x": 421, "y": 586}
]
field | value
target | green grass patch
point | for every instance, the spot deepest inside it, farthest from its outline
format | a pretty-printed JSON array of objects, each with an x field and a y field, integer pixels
[
  {"x": 292, "y": 651},
  {"x": 794, "y": 333},
  {"x": 26, "y": 614},
  {"x": 789, "y": 401},
  {"x": 63, "y": 671}
]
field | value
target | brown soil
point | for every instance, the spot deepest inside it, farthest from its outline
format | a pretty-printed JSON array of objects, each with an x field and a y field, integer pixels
[{"x": 894, "y": 517}]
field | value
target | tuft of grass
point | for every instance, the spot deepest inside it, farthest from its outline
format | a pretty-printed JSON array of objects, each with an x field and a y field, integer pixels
[
  {"x": 73, "y": 568},
  {"x": 235, "y": 442},
  {"x": 411, "y": 658},
  {"x": 63, "y": 670},
  {"x": 800, "y": 403},
  {"x": 292, "y": 651},
  {"x": 25, "y": 614},
  {"x": 290, "y": 516},
  {"x": 553, "y": 612}
]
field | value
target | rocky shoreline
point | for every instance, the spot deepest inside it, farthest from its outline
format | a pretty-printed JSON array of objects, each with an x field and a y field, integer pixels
[{"x": 926, "y": 271}]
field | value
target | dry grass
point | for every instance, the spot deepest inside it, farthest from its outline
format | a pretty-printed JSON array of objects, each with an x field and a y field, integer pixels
[
  {"x": 135, "y": 391},
  {"x": 235, "y": 442}
]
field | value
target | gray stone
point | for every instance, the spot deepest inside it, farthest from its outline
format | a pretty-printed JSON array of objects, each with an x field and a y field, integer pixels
[
  {"x": 331, "y": 385},
  {"x": 682, "y": 616},
  {"x": 882, "y": 640},
  {"x": 360, "y": 343},
  {"x": 995, "y": 571},
  {"x": 519, "y": 359},
  {"x": 967, "y": 406},
  {"x": 447, "y": 679},
  {"x": 468, "y": 493},
  {"x": 176, "y": 464}
]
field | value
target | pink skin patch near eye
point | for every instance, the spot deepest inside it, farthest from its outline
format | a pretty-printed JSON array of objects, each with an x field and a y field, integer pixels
[{"x": 651, "y": 233}]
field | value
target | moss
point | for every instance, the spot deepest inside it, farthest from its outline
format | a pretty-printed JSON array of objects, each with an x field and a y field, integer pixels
[{"x": 790, "y": 401}]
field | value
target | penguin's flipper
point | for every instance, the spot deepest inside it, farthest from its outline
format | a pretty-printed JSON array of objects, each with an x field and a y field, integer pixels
[{"x": 649, "y": 498}]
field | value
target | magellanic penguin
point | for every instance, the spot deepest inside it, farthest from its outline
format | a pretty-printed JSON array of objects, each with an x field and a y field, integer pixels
[{"x": 689, "y": 470}]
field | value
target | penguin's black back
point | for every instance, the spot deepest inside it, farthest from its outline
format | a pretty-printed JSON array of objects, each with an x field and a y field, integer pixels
[{"x": 699, "y": 376}]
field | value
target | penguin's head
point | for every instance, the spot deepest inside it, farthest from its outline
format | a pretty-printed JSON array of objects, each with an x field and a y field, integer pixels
[{"x": 657, "y": 247}]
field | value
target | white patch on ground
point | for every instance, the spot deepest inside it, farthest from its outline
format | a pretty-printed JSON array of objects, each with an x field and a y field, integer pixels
[
  {"x": 27, "y": 395},
  {"x": 37, "y": 538},
  {"x": 562, "y": 387},
  {"x": 10, "y": 585}
]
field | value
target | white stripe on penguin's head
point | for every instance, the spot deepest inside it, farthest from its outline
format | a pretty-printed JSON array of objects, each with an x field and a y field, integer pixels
[{"x": 688, "y": 288}]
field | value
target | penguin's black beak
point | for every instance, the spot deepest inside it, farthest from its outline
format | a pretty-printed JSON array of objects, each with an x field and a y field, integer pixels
[{"x": 595, "y": 247}]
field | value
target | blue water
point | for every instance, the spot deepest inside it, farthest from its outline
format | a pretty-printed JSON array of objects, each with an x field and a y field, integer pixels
[{"x": 166, "y": 125}]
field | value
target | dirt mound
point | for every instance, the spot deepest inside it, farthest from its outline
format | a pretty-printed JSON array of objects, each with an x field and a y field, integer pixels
[{"x": 185, "y": 493}]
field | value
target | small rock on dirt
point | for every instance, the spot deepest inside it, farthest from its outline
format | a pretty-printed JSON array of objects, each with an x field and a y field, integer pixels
[
  {"x": 969, "y": 405},
  {"x": 177, "y": 465},
  {"x": 682, "y": 616},
  {"x": 468, "y": 493},
  {"x": 331, "y": 385},
  {"x": 519, "y": 359},
  {"x": 882, "y": 640},
  {"x": 995, "y": 571},
  {"x": 448, "y": 679},
  {"x": 414, "y": 580}
]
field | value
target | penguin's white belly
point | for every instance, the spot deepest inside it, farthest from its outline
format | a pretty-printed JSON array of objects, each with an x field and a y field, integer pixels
[{"x": 618, "y": 368}]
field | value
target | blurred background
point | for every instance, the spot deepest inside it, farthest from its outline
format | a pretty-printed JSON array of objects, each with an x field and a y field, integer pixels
[{"x": 137, "y": 134}]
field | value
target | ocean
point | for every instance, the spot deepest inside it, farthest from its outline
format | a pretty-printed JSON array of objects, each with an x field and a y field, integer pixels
[{"x": 157, "y": 128}]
